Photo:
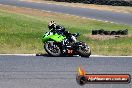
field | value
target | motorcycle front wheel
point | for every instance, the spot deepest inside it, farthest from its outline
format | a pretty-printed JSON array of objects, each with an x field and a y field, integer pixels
[{"x": 52, "y": 49}]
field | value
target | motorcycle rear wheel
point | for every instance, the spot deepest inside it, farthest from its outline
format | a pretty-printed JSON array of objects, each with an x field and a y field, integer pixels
[{"x": 84, "y": 52}]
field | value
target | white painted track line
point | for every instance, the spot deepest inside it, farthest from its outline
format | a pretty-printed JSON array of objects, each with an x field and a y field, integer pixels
[
  {"x": 35, "y": 55},
  {"x": 108, "y": 56},
  {"x": 17, "y": 54}
]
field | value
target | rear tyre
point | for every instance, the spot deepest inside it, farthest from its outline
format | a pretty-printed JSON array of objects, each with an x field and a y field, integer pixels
[
  {"x": 84, "y": 51},
  {"x": 52, "y": 49}
]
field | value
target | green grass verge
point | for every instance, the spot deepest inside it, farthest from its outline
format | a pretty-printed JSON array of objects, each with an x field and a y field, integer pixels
[{"x": 21, "y": 33}]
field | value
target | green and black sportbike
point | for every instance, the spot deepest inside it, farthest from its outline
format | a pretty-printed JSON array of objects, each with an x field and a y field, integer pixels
[{"x": 54, "y": 47}]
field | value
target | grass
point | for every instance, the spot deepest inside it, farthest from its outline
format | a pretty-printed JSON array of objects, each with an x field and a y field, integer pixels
[{"x": 21, "y": 32}]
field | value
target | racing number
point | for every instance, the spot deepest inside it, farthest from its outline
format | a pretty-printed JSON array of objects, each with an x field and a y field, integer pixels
[{"x": 70, "y": 51}]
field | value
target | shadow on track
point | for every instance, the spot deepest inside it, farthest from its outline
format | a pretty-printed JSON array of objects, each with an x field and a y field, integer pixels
[{"x": 47, "y": 55}]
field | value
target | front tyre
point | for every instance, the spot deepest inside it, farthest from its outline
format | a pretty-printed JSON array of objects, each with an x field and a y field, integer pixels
[
  {"x": 84, "y": 51},
  {"x": 52, "y": 49}
]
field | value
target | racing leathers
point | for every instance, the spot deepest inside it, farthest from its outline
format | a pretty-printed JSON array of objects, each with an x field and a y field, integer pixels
[{"x": 69, "y": 37}]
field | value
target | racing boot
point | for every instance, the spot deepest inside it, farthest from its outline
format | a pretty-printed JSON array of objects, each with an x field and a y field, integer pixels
[{"x": 63, "y": 46}]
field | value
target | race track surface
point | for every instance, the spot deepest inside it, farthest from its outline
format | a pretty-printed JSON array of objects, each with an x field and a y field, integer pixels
[
  {"x": 58, "y": 72},
  {"x": 122, "y": 18}
]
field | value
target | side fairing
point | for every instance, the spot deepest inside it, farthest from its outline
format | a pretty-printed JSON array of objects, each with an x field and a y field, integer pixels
[{"x": 50, "y": 36}]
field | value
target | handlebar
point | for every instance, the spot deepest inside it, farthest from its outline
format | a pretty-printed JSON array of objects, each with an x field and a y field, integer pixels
[{"x": 76, "y": 34}]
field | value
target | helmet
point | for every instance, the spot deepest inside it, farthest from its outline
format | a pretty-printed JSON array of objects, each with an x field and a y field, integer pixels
[{"x": 51, "y": 25}]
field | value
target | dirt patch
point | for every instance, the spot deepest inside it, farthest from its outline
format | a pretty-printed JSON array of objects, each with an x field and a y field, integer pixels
[
  {"x": 25, "y": 11},
  {"x": 92, "y": 6},
  {"x": 106, "y": 37}
]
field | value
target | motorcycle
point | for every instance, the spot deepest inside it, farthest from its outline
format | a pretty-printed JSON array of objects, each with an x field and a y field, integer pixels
[{"x": 53, "y": 45}]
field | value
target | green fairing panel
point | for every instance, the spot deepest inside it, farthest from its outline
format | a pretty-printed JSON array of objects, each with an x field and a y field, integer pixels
[{"x": 55, "y": 37}]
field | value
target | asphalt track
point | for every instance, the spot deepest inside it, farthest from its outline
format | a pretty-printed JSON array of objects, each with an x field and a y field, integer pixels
[
  {"x": 122, "y": 18},
  {"x": 58, "y": 72}
]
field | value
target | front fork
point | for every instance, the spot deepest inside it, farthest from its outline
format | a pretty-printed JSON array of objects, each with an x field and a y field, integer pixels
[{"x": 52, "y": 44}]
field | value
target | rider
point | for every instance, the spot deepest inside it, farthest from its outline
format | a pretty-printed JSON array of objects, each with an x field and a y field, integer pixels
[
  {"x": 61, "y": 30},
  {"x": 58, "y": 29}
]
